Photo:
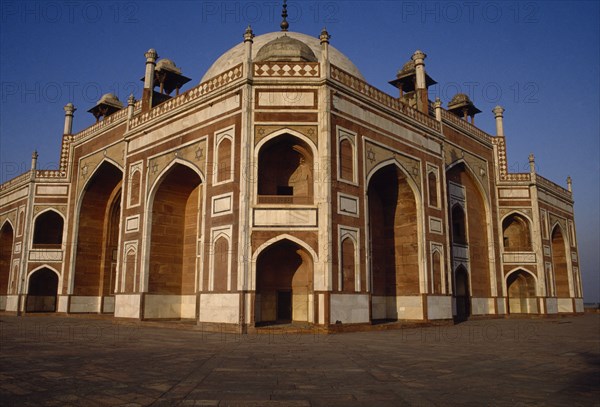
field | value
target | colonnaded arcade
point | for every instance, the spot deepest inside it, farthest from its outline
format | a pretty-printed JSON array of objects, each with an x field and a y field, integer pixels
[{"x": 285, "y": 188}]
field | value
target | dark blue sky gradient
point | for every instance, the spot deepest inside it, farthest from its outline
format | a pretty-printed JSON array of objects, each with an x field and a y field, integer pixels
[{"x": 540, "y": 60}]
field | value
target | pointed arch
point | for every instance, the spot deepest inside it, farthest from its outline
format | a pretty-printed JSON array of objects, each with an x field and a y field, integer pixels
[
  {"x": 348, "y": 276},
  {"x": 43, "y": 266},
  {"x": 224, "y": 159},
  {"x": 347, "y": 170},
  {"x": 395, "y": 231},
  {"x": 520, "y": 284},
  {"x": 96, "y": 232},
  {"x": 524, "y": 270},
  {"x": 286, "y": 167},
  {"x": 135, "y": 183},
  {"x": 281, "y": 132},
  {"x": 432, "y": 189},
  {"x": 102, "y": 164},
  {"x": 437, "y": 285},
  {"x": 160, "y": 177},
  {"x": 560, "y": 261},
  {"x": 285, "y": 236},
  {"x": 475, "y": 179},
  {"x": 42, "y": 289},
  {"x": 172, "y": 228},
  {"x": 9, "y": 222},
  {"x": 129, "y": 269},
  {"x": 284, "y": 282},
  {"x": 221, "y": 263},
  {"x": 516, "y": 232},
  {"x": 479, "y": 231},
  {"x": 149, "y": 204},
  {"x": 48, "y": 226},
  {"x": 7, "y": 240}
]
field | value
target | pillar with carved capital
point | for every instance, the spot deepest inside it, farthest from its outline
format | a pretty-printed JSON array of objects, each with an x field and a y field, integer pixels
[
  {"x": 438, "y": 109},
  {"x": 421, "y": 85},
  {"x": 130, "y": 106},
  {"x": 69, "y": 110},
  {"x": 531, "y": 163},
  {"x": 34, "y": 157},
  {"x": 151, "y": 57},
  {"x": 248, "y": 41},
  {"x": 499, "y": 115}
]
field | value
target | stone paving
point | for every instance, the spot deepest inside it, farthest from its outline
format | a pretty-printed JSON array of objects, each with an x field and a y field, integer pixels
[{"x": 66, "y": 361}]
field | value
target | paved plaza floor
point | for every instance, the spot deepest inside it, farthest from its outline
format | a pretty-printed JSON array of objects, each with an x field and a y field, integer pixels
[{"x": 67, "y": 361}]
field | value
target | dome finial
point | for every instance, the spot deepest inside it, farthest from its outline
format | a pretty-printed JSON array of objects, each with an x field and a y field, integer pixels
[
  {"x": 284, "y": 24},
  {"x": 324, "y": 37},
  {"x": 248, "y": 34}
]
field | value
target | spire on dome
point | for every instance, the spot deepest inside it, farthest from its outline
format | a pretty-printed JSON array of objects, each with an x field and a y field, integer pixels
[{"x": 284, "y": 24}]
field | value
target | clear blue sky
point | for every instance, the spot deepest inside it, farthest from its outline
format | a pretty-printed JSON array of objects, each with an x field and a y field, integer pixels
[{"x": 538, "y": 59}]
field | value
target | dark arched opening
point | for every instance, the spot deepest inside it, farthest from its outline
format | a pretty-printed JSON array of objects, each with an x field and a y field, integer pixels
[
  {"x": 394, "y": 245},
  {"x": 48, "y": 229},
  {"x": 285, "y": 171},
  {"x": 284, "y": 280},
  {"x": 42, "y": 291},
  {"x": 462, "y": 294}
]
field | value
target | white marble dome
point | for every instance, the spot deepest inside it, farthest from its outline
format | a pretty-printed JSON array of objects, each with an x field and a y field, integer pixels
[{"x": 236, "y": 54}]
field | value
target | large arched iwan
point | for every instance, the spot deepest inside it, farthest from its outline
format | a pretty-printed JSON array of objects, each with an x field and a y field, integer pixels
[
  {"x": 98, "y": 233},
  {"x": 174, "y": 232},
  {"x": 393, "y": 233},
  {"x": 476, "y": 230}
]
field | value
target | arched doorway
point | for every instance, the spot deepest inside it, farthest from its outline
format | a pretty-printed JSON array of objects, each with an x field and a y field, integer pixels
[
  {"x": 48, "y": 230},
  {"x": 559, "y": 263},
  {"x": 175, "y": 218},
  {"x": 516, "y": 234},
  {"x": 284, "y": 284},
  {"x": 285, "y": 171},
  {"x": 462, "y": 294},
  {"x": 521, "y": 293},
  {"x": 6, "y": 248},
  {"x": 98, "y": 236},
  {"x": 42, "y": 291},
  {"x": 394, "y": 246}
]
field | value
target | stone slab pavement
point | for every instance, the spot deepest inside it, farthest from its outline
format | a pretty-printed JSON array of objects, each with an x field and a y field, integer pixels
[{"x": 67, "y": 361}]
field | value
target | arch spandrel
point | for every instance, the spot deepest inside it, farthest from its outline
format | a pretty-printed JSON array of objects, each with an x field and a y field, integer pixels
[
  {"x": 194, "y": 154},
  {"x": 376, "y": 154},
  {"x": 310, "y": 132},
  {"x": 11, "y": 217},
  {"x": 62, "y": 209},
  {"x": 478, "y": 167},
  {"x": 503, "y": 212},
  {"x": 88, "y": 165},
  {"x": 262, "y": 239},
  {"x": 560, "y": 221}
]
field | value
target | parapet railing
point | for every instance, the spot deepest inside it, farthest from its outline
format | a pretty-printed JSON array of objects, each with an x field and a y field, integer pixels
[
  {"x": 19, "y": 179},
  {"x": 203, "y": 89},
  {"x": 114, "y": 118},
  {"x": 466, "y": 126},
  {"x": 373, "y": 93},
  {"x": 551, "y": 186}
]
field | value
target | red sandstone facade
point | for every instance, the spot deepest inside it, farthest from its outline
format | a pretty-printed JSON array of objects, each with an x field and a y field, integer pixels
[{"x": 285, "y": 188}]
